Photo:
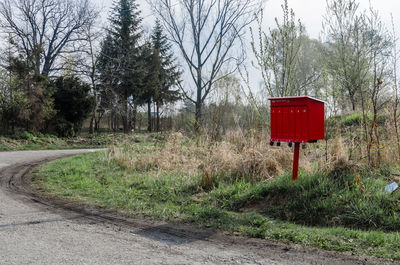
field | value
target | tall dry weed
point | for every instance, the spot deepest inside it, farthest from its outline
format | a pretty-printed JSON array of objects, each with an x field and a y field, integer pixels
[
  {"x": 238, "y": 156},
  {"x": 251, "y": 158},
  {"x": 338, "y": 156},
  {"x": 389, "y": 148},
  {"x": 177, "y": 154}
]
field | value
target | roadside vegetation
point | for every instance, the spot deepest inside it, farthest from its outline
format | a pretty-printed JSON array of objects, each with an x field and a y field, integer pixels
[
  {"x": 38, "y": 141},
  {"x": 239, "y": 185}
]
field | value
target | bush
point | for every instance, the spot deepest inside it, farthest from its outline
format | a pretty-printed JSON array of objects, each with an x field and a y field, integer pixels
[
  {"x": 351, "y": 120},
  {"x": 354, "y": 119},
  {"x": 73, "y": 104}
]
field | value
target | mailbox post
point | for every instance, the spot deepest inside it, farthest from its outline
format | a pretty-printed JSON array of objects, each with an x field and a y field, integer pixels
[{"x": 297, "y": 120}]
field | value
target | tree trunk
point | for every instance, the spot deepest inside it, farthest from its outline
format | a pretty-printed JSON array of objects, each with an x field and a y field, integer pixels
[
  {"x": 198, "y": 101},
  {"x": 93, "y": 123},
  {"x": 125, "y": 114},
  {"x": 396, "y": 127},
  {"x": 46, "y": 69},
  {"x": 96, "y": 124},
  {"x": 197, "y": 117},
  {"x": 134, "y": 114},
  {"x": 367, "y": 142},
  {"x": 149, "y": 116},
  {"x": 153, "y": 120},
  {"x": 353, "y": 104},
  {"x": 158, "y": 117},
  {"x": 91, "y": 126},
  {"x": 112, "y": 122}
]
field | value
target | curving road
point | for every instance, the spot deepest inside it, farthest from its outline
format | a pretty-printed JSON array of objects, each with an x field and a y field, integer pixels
[{"x": 36, "y": 230}]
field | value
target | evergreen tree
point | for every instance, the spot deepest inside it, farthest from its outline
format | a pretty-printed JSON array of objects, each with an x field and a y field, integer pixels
[
  {"x": 164, "y": 72},
  {"x": 149, "y": 82},
  {"x": 73, "y": 103},
  {"x": 119, "y": 63}
]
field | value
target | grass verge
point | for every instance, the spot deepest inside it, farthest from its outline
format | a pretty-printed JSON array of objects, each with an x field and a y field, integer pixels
[
  {"x": 28, "y": 141},
  {"x": 333, "y": 212}
]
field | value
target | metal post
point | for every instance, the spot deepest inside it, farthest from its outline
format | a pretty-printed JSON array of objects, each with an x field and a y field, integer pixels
[{"x": 296, "y": 161}]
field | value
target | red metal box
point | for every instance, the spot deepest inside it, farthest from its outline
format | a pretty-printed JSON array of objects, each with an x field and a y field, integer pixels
[{"x": 297, "y": 119}]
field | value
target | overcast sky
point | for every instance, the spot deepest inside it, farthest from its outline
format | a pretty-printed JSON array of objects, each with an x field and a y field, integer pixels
[{"x": 310, "y": 12}]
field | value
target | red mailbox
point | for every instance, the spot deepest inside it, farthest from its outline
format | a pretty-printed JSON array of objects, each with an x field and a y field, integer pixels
[{"x": 297, "y": 120}]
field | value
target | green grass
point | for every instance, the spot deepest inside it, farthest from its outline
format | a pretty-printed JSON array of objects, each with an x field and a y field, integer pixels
[
  {"x": 325, "y": 211},
  {"x": 28, "y": 141},
  {"x": 319, "y": 200},
  {"x": 25, "y": 147}
]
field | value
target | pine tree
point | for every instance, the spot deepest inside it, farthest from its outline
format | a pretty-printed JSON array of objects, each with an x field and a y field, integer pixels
[
  {"x": 149, "y": 81},
  {"x": 165, "y": 73},
  {"x": 119, "y": 65}
]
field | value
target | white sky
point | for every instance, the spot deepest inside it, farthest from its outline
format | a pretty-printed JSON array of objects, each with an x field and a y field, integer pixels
[{"x": 310, "y": 12}]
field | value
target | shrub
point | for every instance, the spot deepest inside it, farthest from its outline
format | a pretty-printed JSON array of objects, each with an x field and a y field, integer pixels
[
  {"x": 351, "y": 120},
  {"x": 73, "y": 104}
]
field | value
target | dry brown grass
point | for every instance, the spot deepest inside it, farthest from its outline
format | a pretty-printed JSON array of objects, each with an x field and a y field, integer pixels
[
  {"x": 338, "y": 156},
  {"x": 177, "y": 154},
  {"x": 238, "y": 156},
  {"x": 251, "y": 159}
]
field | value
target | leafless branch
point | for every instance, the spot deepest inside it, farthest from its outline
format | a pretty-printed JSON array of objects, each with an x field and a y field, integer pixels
[{"x": 44, "y": 29}]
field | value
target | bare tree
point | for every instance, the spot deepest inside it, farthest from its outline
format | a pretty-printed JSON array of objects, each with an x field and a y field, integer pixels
[
  {"x": 346, "y": 52},
  {"x": 277, "y": 55},
  {"x": 206, "y": 32},
  {"x": 90, "y": 71},
  {"x": 395, "y": 58},
  {"x": 223, "y": 103},
  {"x": 357, "y": 55},
  {"x": 84, "y": 64},
  {"x": 43, "y": 29},
  {"x": 380, "y": 45}
]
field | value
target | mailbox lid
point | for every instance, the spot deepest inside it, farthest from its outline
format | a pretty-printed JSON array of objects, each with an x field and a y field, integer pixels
[{"x": 294, "y": 101}]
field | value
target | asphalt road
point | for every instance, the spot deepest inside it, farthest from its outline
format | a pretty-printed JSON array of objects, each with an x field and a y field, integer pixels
[{"x": 35, "y": 230}]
